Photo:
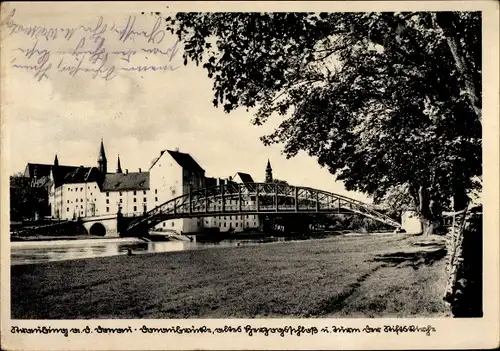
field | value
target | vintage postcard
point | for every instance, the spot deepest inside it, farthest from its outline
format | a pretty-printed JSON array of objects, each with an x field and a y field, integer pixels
[{"x": 249, "y": 175}]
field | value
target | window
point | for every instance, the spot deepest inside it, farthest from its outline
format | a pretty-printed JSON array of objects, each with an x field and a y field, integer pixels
[
  {"x": 107, "y": 193},
  {"x": 156, "y": 199},
  {"x": 220, "y": 224},
  {"x": 121, "y": 201},
  {"x": 135, "y": 200},
  {"x": 95, "y": 186},
  {"x": 135, "y": 193},
  {"x": 120, "y": 193},
  {"x": 236, "y": 225},
  {"x": 81, "y": 189},
  {"x": 144, "y": 200},
  {"x": 67, "y": 209},
  {"x": 172, "y": 224},
  {"x": 247, "y": 216},
  {"x": 247, "y": 224},
  {"x": 254, "y": 223},
  {"x": 90, "y": 194},
  {"x": 68, "y": 202},
  {"x": 107, "y": 201},
  {"x": 156, "y": 191},
  {"x": 135, "y": 208},
  {"x": 144, "y": 192},
  {"x": 81, "y": 207},
  {"x": 224, "y": 224},
  {"x": 198, "y": 224},
  {"x": 163, "y": 223},
  {"x": 107, "y": 209}
]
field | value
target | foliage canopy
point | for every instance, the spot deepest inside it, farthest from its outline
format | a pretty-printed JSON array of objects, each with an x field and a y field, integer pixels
[{"x": 382, "y": 100}]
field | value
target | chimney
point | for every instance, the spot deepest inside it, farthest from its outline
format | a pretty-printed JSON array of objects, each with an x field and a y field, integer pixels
[
  {"x": 126, "y": 171},
  {"x": 139, "y": 170}
]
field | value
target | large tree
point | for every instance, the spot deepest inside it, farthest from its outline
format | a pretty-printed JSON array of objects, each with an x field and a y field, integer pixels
[{"x": 382, "y": 100}]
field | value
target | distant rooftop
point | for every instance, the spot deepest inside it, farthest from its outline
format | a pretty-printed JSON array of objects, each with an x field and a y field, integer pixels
[
  {"x": 184, "y": 160},
  {"x": 126, "y": 181},
  {"x": 245, "y": 177}
]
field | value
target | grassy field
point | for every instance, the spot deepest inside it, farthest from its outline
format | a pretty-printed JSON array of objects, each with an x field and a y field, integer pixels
[{"x": 334, "y": 277}]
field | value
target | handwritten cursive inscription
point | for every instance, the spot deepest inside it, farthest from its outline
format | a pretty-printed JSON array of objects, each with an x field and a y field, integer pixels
[{"x": 102, "y": 50}]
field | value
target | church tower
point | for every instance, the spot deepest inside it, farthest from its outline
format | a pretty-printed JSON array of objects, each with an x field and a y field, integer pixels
[
  {"x": 56, "y": 161},
  {"x": 102, "y": 162},
  {"x": 119, "y": 166},
  {"x": 269, "y": 172}
]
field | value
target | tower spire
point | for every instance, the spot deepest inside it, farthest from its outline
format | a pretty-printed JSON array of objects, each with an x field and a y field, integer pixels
[
  {"x": 119, "y": 166},
  {"x": 56, "y": 161},
  {"x": 269, "y": 172},
  {"x": 102, "y": 162}
]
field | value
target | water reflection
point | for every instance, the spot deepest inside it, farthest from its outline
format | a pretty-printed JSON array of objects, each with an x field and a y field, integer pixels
[{"x": 38, "y": 252}]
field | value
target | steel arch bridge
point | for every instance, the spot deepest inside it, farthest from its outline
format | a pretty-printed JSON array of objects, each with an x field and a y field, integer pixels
[{"x": 255, "y": 198}]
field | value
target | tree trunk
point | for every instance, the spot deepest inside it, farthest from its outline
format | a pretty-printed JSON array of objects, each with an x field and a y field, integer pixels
[
  {"x": 428, "y": 212},
  {"x": 444, "y": 21}
]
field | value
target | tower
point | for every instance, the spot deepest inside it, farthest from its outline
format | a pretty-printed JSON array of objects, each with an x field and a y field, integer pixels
[
  {"x": 119, "y": 166},
  {"x": 102, "y": 162},
  {"x": 56, "y": 161},
  {"x": 269, "y": 172}
]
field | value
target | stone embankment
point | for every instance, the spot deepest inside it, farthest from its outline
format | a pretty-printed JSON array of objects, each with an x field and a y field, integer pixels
[{"x": 54, "y": 228}]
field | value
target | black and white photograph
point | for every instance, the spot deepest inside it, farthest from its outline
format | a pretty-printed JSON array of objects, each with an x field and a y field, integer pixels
[{"x": 219, "y": 169}]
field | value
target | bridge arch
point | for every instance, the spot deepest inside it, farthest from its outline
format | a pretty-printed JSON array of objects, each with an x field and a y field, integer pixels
[
  {"x": 97, "y": 229},
  {"x": 255, "y": 198}
]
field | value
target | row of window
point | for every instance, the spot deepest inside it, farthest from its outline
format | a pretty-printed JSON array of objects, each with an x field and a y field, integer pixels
[
  {"x": 67, "y": 208},
  {"x": 135, "y": 209},
  {"x": 81, "y": 200},
  {"x": 81, "y": 188},
  {"x": 135, "y": 192},
  {"x": 236, "y": 217}
]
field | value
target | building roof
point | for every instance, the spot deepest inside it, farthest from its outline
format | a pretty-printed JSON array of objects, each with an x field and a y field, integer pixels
[
  {"x": 210, "y": 181},
  {"x": 126, "y": 181},
  {"x": 186, "y": 161},
  {"x": 245, "y": 177},
  {"x": 42, "y": 182},
  {"x": 80, "y": 174},
  {"x": 40, "y": 169}
]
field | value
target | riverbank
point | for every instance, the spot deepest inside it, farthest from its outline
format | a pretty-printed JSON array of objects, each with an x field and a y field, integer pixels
[{"x": 342, "y": 276}]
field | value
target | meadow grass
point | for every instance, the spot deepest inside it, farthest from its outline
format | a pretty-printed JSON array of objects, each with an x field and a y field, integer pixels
[{"x": 334, "y": 277}]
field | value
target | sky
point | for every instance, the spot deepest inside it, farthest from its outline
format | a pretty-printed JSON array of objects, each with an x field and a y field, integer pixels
[{"x": 136, "y": 114}]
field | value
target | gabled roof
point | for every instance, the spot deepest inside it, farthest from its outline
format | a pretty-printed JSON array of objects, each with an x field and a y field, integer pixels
[
  {"x": 40, "y": 169},
  {"x": 126, "y": 181},
  {"x": 245, "y": 177},
  {"x": 184, "y": 160},
  {"x": 60, "y": 172},
  {"x": 42, "y": 182},
  {"x": 81, "y": 175}
]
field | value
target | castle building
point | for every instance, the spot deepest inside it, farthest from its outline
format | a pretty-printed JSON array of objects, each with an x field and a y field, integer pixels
[{"x": 78, "y": 191}]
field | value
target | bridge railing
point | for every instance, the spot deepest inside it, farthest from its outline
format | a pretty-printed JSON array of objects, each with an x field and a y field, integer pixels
[{"x": 257, "y": 198}]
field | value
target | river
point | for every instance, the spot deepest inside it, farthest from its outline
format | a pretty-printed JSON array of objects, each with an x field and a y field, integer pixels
[{"x": 59, "y": 250}]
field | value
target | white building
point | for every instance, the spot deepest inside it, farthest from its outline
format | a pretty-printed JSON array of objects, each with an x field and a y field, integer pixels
[
  {"x": 79, "y": 192},
  {"x": 173, "y": 174}
]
